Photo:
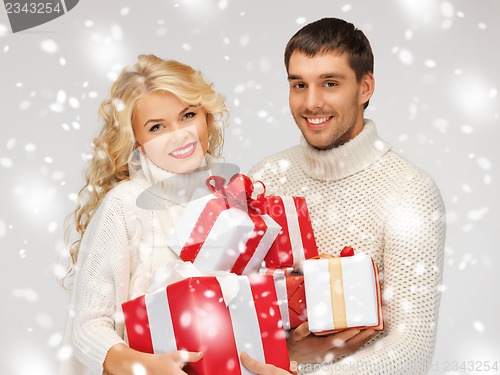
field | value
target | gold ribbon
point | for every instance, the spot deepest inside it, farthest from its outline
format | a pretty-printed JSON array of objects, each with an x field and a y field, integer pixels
[{"x": 337, "y": 292}]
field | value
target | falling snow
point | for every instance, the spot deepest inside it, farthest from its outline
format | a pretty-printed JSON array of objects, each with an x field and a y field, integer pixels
[
  {"x": 49, "y": 46},
  {"x": 406, "y": 57},
  {"x": 6, "y": 162},
  {"x": 346, "y": 8},
  {"x": 28, "y": 294},
  {"x": 432, "y": 103},
  {"x": 300, "y": 21},
  {"x": 478, "y": 326}
]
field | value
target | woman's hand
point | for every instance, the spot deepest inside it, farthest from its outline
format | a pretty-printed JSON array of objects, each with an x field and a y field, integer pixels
[
  {"x": 171, "y": 363},
  {"x": 123, "y": 360}
]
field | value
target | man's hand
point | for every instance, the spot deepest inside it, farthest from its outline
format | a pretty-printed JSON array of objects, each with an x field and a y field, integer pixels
[
  {"x": 260, "y": 368},
  {"x": 305, "y": 347}
]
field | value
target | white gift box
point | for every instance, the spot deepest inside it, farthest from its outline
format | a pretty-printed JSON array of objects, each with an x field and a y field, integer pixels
[
  {"x": 230, "y": 236},
  {"x": 342, "y": 292}
]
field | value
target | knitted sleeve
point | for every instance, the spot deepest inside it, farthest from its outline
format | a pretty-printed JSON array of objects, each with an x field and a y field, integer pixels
[
  {"x": 102, "y": 276},
  {"x": 413, "y": 263}
]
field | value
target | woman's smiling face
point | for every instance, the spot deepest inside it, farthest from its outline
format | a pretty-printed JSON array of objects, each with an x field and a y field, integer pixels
[{"x": 173, "y": 135}]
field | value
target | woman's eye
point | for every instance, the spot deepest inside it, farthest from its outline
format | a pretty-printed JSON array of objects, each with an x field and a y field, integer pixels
[
  {"x": 155, "y": 128},
  {"x": 189, "y": 115}
]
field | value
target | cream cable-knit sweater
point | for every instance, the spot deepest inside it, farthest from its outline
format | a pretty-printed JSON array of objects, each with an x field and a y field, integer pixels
[
  {"x": 123, "y": 246},
  {"x": 363, "y": 195}
]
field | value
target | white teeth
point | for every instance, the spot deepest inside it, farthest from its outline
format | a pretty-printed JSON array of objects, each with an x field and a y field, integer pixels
[
  {"x": 317, "y": 121},
  {"x": 183, "y": 151}
]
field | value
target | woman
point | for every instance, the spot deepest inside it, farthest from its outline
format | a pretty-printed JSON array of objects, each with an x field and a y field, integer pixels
[
  {"x": 161, "y": 136},
  {"x": 162, "y": 129}
]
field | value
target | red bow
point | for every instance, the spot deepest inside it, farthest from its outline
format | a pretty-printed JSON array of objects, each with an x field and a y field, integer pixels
[
  {"x": 347, "y": 251},
  {"x": 239, "y": 193}
]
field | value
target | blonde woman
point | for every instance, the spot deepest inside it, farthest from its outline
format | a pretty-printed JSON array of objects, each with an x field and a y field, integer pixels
[{"x": 162, "y": 129}]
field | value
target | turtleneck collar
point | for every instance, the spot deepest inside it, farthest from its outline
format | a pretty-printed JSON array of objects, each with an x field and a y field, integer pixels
[
  {"x": 343, "y": 161},
  {"x": 176, "y": 188}
]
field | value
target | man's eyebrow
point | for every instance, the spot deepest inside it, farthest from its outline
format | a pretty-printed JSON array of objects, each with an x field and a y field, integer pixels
[
  {"x": 333, "y": 75},
  {"x": 294, "y": 77}
]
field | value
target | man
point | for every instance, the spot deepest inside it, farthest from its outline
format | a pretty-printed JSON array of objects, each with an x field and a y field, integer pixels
[{"x": 360, "y": 194}]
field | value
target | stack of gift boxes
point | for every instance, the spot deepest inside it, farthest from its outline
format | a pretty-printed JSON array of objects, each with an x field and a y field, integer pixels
[{"x": 256, "y": 274}]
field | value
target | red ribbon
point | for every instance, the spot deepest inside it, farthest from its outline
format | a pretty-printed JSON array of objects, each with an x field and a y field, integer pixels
[
  {"x": 270, "y": 323},
  {"x": 200, "y": 302},
  {"x": 238, "y": 193}
]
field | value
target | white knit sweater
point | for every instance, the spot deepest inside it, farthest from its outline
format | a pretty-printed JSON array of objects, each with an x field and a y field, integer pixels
[
  {"x": 363, "y": 195},
  {"x": 123, "y": 246}
]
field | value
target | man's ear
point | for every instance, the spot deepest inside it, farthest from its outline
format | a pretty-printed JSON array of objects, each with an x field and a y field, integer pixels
[{"x": 366, "y": 88}]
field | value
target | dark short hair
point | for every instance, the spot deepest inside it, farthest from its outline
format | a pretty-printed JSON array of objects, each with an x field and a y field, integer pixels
[{"x": 333, "y": 35}]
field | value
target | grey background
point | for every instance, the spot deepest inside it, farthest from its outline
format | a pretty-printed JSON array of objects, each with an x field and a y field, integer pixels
[{"x": 436, "y": 102}]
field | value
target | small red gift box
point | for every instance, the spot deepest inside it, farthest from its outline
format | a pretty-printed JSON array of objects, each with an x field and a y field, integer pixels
[
  {"x": 291, "y": 295},
  {"x": 297, "y": 308},
  {"x": 225, "y": 228},
  {"x": 219, "y": 316},
  {"x": 295, "y": 242}
]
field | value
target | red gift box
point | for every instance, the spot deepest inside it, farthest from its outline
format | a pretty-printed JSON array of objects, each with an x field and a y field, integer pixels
[
  {"x": 295, "y": 241},
  {"x": 219, "y": 316},
  {"x": 291, "y": 295},
  {"x": 225, "y": 228},
  {"x": 297, "y": 308}
]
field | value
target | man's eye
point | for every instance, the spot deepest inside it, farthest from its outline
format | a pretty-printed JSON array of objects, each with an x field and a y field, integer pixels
[
  {"x": 330, "y": 84},
  {"x": 299, "y": 85}
]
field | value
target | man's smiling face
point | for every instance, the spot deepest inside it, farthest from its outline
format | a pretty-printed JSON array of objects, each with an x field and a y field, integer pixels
[{"x": 326, "y": 99}]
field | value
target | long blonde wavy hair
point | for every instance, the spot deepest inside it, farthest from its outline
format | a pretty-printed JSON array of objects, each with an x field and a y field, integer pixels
[{"x": 113, "y": 147}]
